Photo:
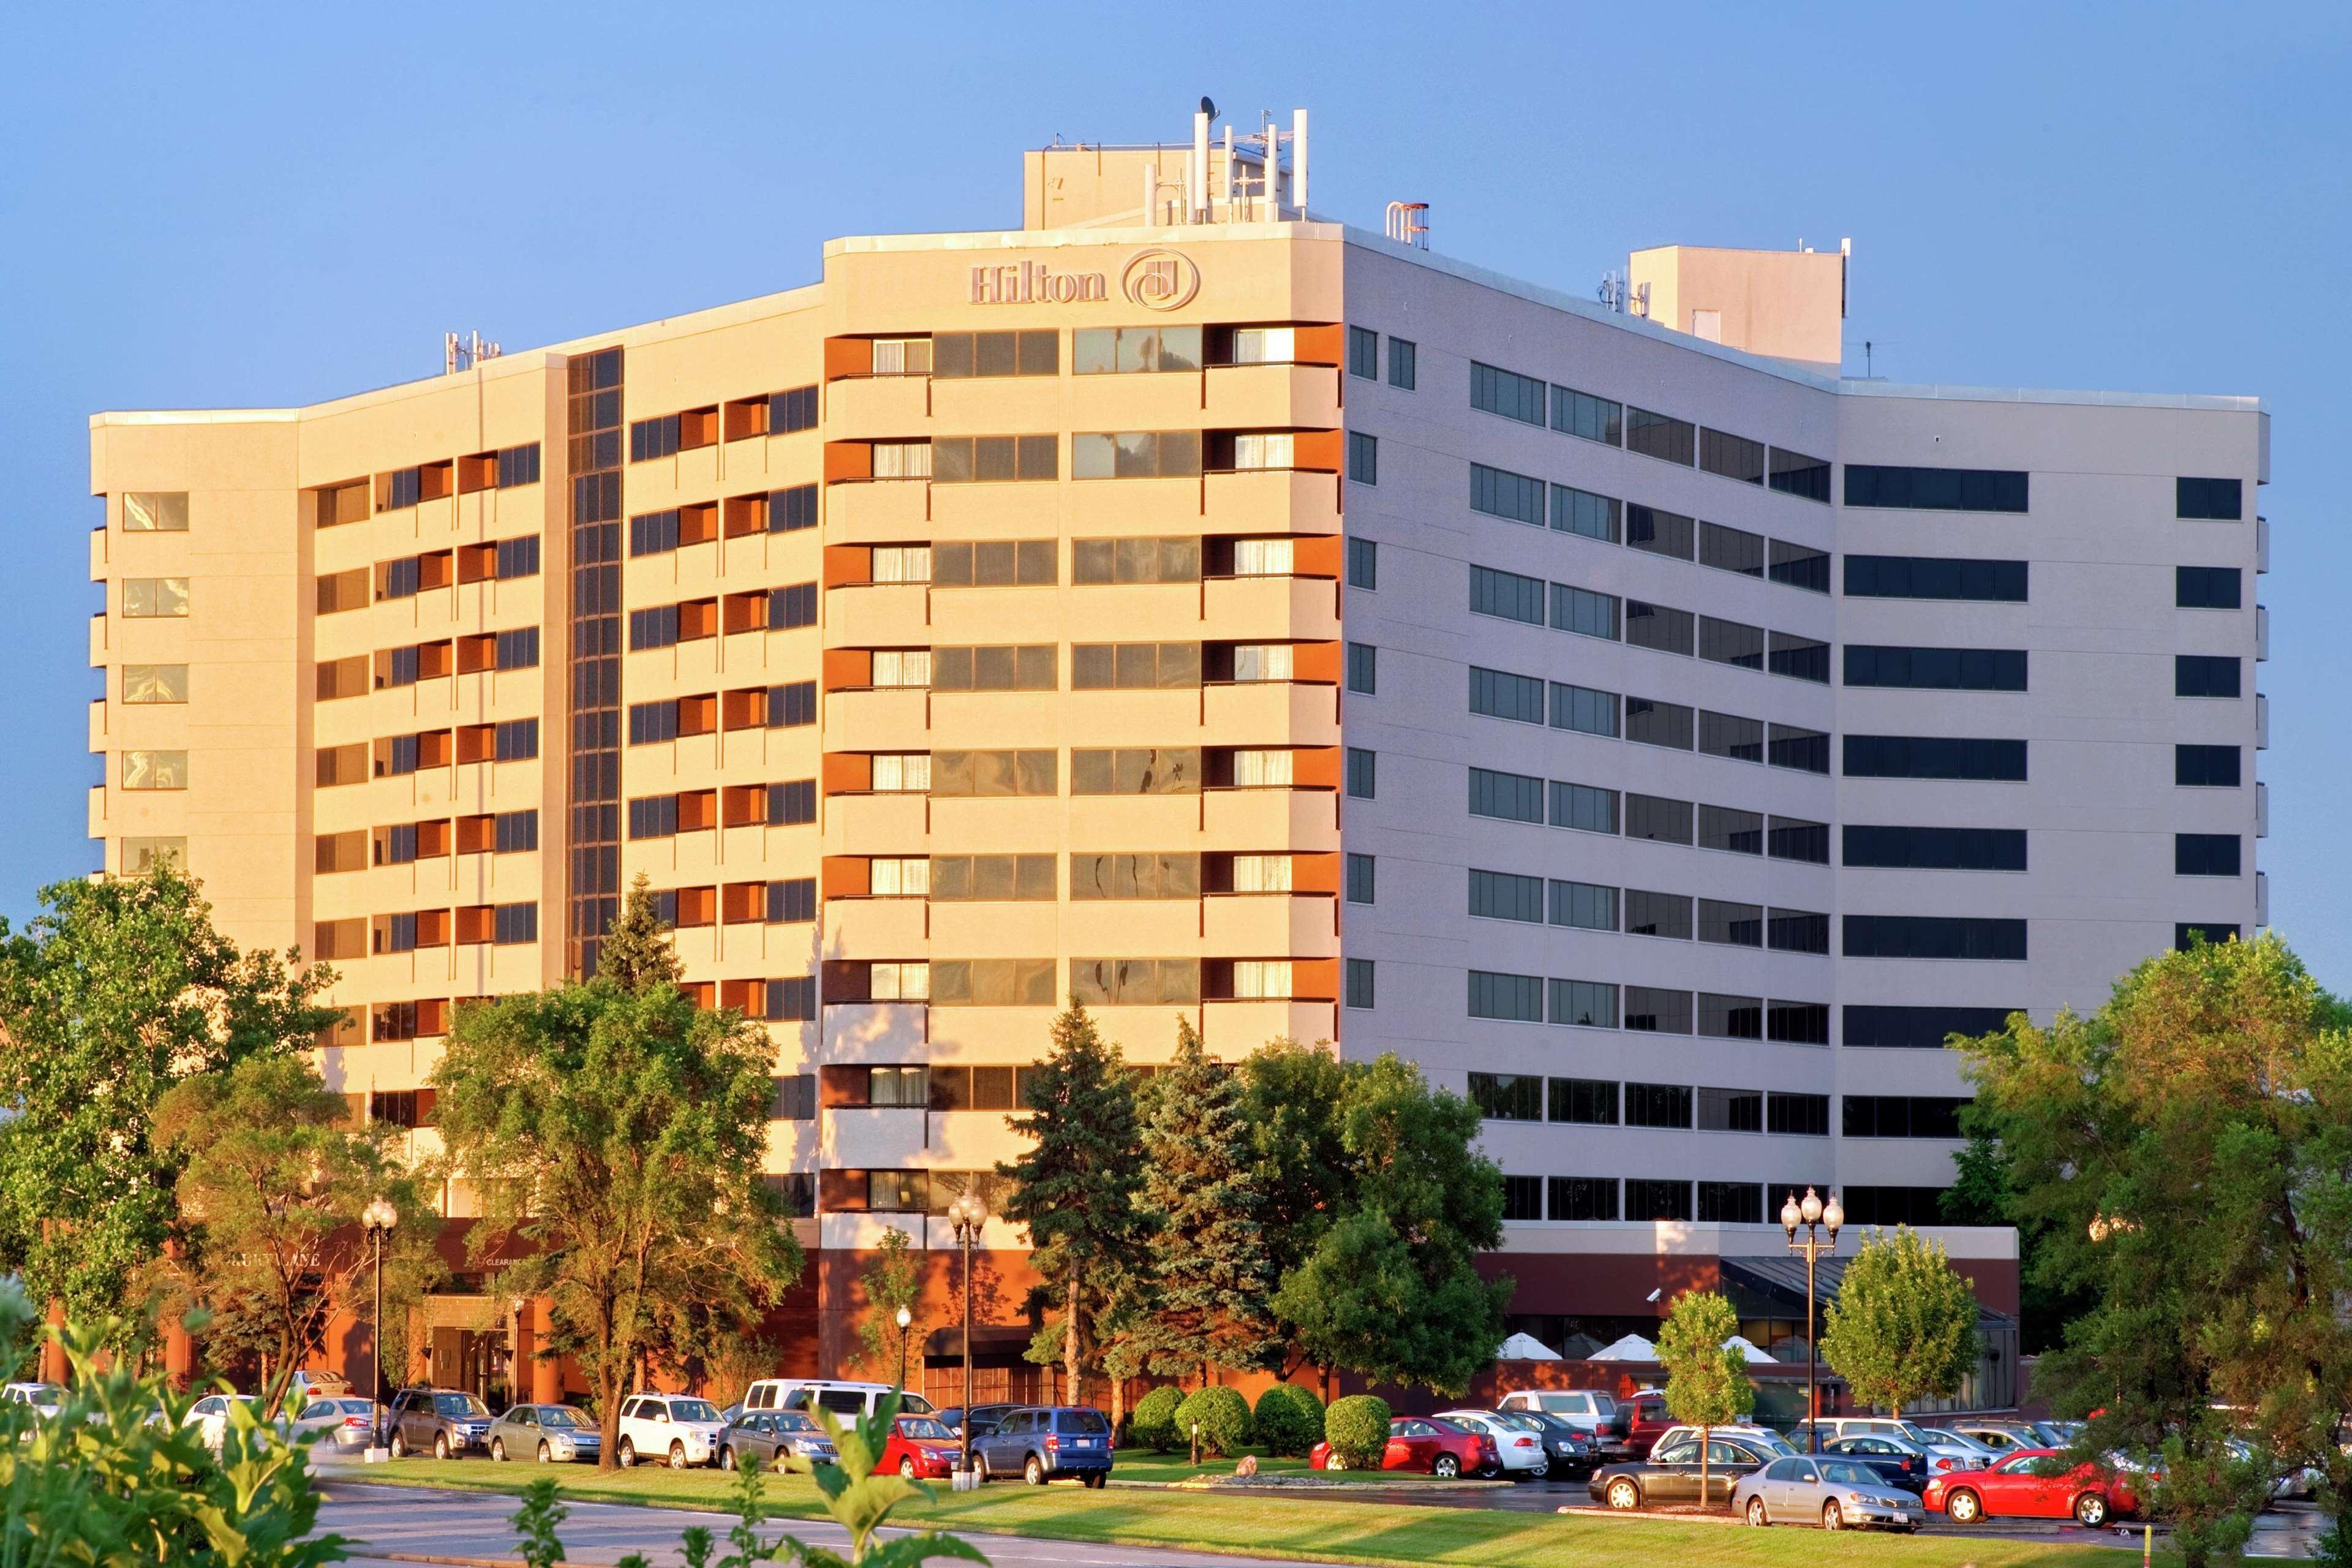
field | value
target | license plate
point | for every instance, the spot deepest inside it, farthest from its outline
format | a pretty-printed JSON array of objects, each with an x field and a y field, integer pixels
[{"x": 1902, "y": 1519}]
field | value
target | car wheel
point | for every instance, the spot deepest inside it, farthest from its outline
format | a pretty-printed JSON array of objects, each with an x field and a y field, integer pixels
[
  {"x": 628, "y": 1455},
  {"x": 906, "y": 1468},
  {"x": 1624, "y": 1496},
  {"x": 1100, "y": 1479},
  {"x": 980, "y": 1467},
  {"x": 1543, "y": 1472},
  {"x": 726, "y": 1458},
  {"x": 1832, "y": 1516},
  {"x": 676, "y": 1454},
  {"x": 544, "y": 1456},
  {"x": 1756, "y": 1515},
  {"x": 440, "y": 1444},
  {"x": 1963, "y": 1508},
  {"x": 1446, "y": 1466},
  {"x": 2091, "y": 1509},
  {"x": 399, "y": 1447},
  {"x": 497, "y": 1451},
  {"x": 1034, "y": 1472}
]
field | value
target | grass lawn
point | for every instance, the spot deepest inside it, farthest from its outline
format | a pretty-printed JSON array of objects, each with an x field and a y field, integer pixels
[
  {"x": 1295, "y": 1525},
  {"x": 1143, "y": 1464}
]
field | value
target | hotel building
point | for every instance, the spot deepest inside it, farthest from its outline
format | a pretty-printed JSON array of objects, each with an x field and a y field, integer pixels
[{"x": 1211, "y": 609}]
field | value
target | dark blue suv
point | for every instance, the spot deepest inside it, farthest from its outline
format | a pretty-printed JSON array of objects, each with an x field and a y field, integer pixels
[{"x": 1045, "y": 1443}]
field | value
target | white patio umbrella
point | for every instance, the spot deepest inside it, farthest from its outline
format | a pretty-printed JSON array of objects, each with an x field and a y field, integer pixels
[
  {"x": 1526, "y": 1347},
  {"x": 1632, "y": 1347}
]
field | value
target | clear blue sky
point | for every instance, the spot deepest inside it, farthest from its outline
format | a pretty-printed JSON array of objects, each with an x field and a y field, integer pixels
[{"x": 216, "y": 206}]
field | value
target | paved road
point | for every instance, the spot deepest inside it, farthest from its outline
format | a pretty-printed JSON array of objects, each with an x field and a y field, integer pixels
[
  {"x": 2288, "y": 1529},
  {"x": 415, "y": 1521}
]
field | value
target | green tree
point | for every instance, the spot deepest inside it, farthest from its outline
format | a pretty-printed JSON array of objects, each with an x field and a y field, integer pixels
[
  {"x": 270, "y": 1241},
  {"x": 1981, "y": 1194},
  {"x": 2188, "y": 1150},
  {"x": 1392, "y": 1289},
  {"x": 1212, "y": 1278},
  {"x": 1075, "y": 1186},
  {"x": 1304, "y": 1170},
  {"x": 118, "y": 989},
  {"x": 1904, "y": 1326},
  {"x": 615, "y": 1139},
  {"x": 893, "y": 1279},
  {"x": 635, "y": 954},
  {"x": 1707, "y": 1382}
]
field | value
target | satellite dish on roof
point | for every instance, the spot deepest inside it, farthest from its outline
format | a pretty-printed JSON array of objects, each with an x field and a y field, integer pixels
[{"x": 1208, "y": 106}]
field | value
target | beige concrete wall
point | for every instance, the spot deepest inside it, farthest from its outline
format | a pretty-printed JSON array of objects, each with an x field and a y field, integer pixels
[{"x": 1787, "y": 304}]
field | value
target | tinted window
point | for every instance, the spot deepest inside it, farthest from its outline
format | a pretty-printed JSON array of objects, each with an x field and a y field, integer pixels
[
  {"x": 1090, "y": 1422},
  {"x": 1935, "y": 577},
  {"x": 1935, "y": 489},
  {"x": 2217, "y": 499},
  {"x": 2205, "y": 675}
]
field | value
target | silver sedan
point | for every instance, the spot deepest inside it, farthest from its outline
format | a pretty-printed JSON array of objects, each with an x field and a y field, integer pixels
[{"x": 1836, "y": 1494}]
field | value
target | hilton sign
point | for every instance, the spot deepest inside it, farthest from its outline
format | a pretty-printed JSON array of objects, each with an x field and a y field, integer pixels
[{"x": 1154, "y": 279}]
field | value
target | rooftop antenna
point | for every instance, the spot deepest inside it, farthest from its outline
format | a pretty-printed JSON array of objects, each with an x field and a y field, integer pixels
[
  {"x": 465, "y": 353},
  {"x": 1404, "y": 225}
]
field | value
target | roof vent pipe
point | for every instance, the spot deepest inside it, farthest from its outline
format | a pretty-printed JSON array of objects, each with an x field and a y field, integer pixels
[
  {"x": 1196, "y": 174},
  {"x": 1299, "y": 160}
]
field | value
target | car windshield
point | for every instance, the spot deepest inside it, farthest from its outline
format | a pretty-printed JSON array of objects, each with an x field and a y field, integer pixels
[
  {"x": 1845, "y": 1473},
  {"x": 458, "y": 1405},
  {"x": 923, "y": 1426},
  {"x": 693, "y": 1410},
  {"x": 560, "y": 1416},
  {"x": 45, "y": 1392},
  {"x": 793, "y": 1421},
  {"x": 1519, "y": 1421}
]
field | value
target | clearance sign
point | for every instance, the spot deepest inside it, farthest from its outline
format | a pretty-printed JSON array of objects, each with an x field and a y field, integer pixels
[{"x": 1154, "y": 279}]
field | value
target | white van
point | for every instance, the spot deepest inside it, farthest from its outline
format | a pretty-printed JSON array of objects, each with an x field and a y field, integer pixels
[{"x": 814, "y": 1394}]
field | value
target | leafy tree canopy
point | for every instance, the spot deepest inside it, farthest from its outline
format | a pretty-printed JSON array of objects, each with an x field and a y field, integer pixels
[
  {"x": 1904, "y": 1326},
  {"x": 270, "y": 1242},
  {"x": 2188, "y": 1150},
  {"x": 615, "y": 1140},
  {"x": 116, "y": 991}
]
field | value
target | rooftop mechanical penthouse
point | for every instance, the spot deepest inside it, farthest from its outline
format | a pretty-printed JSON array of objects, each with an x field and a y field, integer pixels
[{"x": 1196, "y": 605}]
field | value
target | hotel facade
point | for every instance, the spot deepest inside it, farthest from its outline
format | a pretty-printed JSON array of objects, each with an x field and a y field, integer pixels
[{"x": 1211, "y": 610}]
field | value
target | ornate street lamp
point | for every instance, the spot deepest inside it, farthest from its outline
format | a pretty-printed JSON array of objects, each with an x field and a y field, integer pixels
[
  {"x": 906, "y": 1318},
  {"x": 966, "y": 1215},
  {"x": 1816, "y": 1218},
  {"x": 378, "y": 1220}
]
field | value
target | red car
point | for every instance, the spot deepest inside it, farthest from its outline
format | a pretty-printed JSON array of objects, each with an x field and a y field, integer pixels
[
  {"x": 920, "y": 1448},
  {"x": 1424, "y": 1443},
  {"x": 1647, "y": 1420},
  {"x": 2028, "y": 1483}
]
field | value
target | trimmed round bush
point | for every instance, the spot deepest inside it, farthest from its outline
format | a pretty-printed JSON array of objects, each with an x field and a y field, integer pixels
[
  {"x": 1225, "y": 1419},
  {"x": 1356, "y": 1427},
  {"x": 1289, "y": 1420},
  {"x": 1153, "y": 1424}
]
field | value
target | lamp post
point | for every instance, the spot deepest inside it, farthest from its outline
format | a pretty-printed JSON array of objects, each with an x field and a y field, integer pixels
[
  {"x": 1816, "y": 1218},
  {"x": 906, "y": 1318},
  {"x": 378, "y": 1220},
  {"x": 966, "y": 1215}
]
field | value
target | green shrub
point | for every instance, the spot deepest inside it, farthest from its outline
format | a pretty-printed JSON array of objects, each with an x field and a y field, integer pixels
[
  {"x": 1225, "y": 1419},
  {"x": 1289, "y": 1420},
  {"x": 1154, "y": 1425},
  {"x": 1356, "y": 1427}
]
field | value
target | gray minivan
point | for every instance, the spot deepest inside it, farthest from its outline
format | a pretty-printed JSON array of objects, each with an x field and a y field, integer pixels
[{"x": 1045, "y": 1443}]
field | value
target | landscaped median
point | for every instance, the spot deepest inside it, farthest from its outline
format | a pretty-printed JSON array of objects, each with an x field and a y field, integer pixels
[{"x": 1283, "y": 1525}]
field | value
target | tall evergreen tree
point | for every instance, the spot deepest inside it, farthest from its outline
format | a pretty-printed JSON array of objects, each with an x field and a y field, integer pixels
[
  {"x": 1212, "y": 1276},
  {"x": 635, "y": 954},
  {"x": 1075, "y": 1187}
]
